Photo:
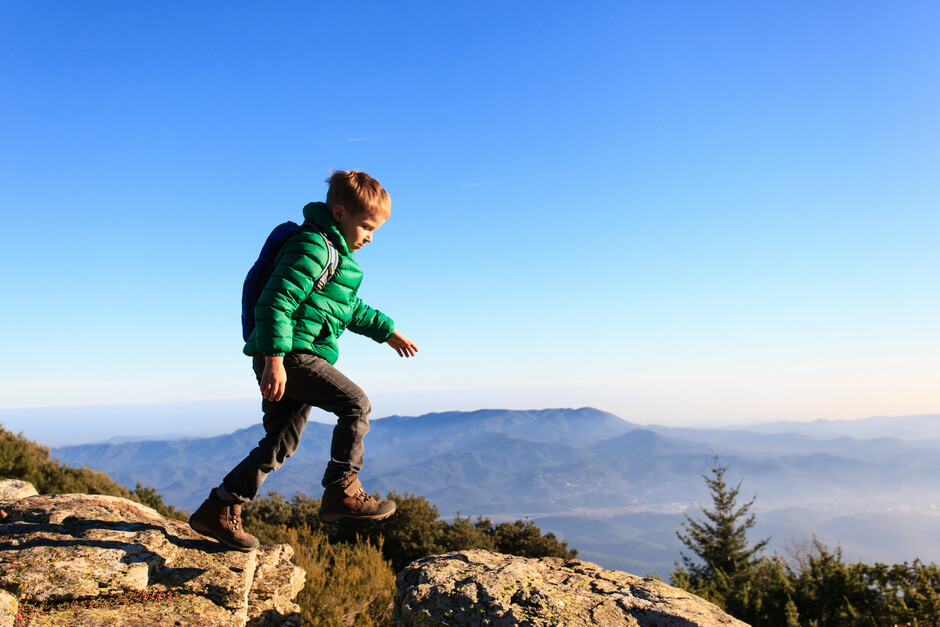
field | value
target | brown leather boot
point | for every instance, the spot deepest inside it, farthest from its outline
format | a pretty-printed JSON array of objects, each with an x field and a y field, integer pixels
[
  {"x": 222, "y": 520},
  {"x": 347, "y": 499}
]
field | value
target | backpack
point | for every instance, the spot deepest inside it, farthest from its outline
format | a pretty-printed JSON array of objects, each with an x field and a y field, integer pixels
[{"x": 263, "y": 268}]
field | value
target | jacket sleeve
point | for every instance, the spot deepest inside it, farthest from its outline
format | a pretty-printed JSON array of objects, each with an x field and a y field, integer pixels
[
  {"x": 301, "y": 261},
  {"x": 370, "y": 322}
]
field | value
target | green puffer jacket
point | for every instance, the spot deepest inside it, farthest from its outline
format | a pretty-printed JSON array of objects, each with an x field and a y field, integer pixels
[{"x": 289, "y": 318}]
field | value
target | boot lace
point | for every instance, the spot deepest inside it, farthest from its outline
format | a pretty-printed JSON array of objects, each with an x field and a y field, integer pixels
[{"x": 364, "y": 497}]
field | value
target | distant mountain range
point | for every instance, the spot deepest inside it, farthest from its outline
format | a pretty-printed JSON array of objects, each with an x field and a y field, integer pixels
[
  {"x": 906, "y": 428},
  {"x": 616, "y": 491}
]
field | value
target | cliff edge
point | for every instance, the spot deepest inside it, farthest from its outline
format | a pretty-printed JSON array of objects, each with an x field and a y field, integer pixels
[
  {"x": 477, "y": 588},
  {"x": 79, "y": 559}
]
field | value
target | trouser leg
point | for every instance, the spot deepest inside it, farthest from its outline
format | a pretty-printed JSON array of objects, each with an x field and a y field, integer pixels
[
  {"x": 321, "y": 385},
  {"x": 311, "y": 381},
  {"x": 284, "y": 423}
]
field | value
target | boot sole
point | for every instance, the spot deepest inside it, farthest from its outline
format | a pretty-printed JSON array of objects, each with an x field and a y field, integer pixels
[
  {"x": 198, "y": 528},
  {"x": 334, "y": 517}
]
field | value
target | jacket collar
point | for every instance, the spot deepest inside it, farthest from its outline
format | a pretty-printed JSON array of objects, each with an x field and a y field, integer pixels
[{"x": 318, "y": 214}]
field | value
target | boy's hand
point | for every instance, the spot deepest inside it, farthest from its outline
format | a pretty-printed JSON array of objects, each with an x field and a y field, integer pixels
[
  {"x": 273, "y": 379},
  {"x": 402, "y": 345}
]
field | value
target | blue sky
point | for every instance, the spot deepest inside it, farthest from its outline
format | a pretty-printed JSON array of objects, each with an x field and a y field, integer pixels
[{"x": 680, "y": 212}]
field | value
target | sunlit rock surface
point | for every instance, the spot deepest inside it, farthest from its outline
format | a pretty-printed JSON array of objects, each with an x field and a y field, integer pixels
[
  {"x": 78, "y": 559},
  {"x": 477, "y": 588}
]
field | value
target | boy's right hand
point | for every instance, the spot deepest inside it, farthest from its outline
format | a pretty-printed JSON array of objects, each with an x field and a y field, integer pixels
[{"x": 273, "y": 379}]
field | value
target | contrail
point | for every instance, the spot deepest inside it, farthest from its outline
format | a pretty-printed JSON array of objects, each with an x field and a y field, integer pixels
[{"x": 364, "y": 139}]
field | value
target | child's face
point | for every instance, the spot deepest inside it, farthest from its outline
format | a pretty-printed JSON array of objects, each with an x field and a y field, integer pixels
[{"x": 356, "y": 228}]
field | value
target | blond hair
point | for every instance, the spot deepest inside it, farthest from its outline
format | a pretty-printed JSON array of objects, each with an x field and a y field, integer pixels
[{"x": 358, "y": 193}]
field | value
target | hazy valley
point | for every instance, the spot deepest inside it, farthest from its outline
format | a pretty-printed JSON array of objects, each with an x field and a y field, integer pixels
[{"x": 616, "y": 491}]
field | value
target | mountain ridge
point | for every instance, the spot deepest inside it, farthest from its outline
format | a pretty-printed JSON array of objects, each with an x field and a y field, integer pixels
[{"x": 583, "y": 464}]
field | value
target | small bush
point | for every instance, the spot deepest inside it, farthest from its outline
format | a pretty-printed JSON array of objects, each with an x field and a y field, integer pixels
[
  {"x": 347, "y": 584},
  {"x": 25, "y": 460},
  {"x": 523, "y": 537},
  {"x": 264, "y": 516}
]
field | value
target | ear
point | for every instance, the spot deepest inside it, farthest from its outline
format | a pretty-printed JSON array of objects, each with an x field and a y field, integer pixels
[{"x": 338, "y": 212}]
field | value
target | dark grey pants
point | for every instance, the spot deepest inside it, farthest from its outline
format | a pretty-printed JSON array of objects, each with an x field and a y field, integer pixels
[{"x": 311, "y": 382}]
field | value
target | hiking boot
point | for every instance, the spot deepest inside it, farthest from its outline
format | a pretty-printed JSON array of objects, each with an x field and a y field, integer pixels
[
  {"x": 347, "y": 499},
  {"x": 222, "y": 520}
]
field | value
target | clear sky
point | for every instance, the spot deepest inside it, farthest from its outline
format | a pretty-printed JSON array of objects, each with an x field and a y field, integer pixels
[{"x": 680, "y": 212}]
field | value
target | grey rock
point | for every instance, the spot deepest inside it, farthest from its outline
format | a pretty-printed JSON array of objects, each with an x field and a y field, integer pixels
[
  {"x": 13, "y": 489},
  {"x": 80, "y": 559},
  {"x": 479, "y": 588}
]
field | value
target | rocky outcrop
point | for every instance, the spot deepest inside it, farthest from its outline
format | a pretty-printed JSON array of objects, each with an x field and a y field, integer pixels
[
  {"x": 477, "y": 588},
  {"x": 78, "y": 559}
]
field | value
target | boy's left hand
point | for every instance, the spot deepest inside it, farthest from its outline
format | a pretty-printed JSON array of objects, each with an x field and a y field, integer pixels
[{"x": 401, "y": 344}]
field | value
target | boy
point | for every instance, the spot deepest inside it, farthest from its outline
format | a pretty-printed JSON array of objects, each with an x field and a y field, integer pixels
[{"x": 294, "y": 348}]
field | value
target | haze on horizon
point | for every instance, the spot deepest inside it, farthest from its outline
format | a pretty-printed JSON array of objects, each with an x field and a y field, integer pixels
[
  {"x": 68, "y": 426},
  {"x": 681, "y": 214}
]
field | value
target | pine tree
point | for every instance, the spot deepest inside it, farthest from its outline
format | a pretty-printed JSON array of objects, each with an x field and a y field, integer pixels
[{"x": 725, "y": 559}]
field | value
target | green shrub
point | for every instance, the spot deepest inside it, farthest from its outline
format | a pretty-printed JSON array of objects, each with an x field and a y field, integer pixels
[
  {"x": 816, "y": 588},
  {"x": 414, "y": 531},
  {"x": 522, "y": 537},
  {"x": 264, "y": 516},
  {"x": 347, "y": 584},
  {"x": 27, "y": 461},
  {"x": 461, "y": 535}
]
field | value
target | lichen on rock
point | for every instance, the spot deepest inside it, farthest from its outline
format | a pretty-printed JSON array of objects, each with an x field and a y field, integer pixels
[
  {"x": 92, "y": 559},
  {"x": 480, "y": 588}
]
